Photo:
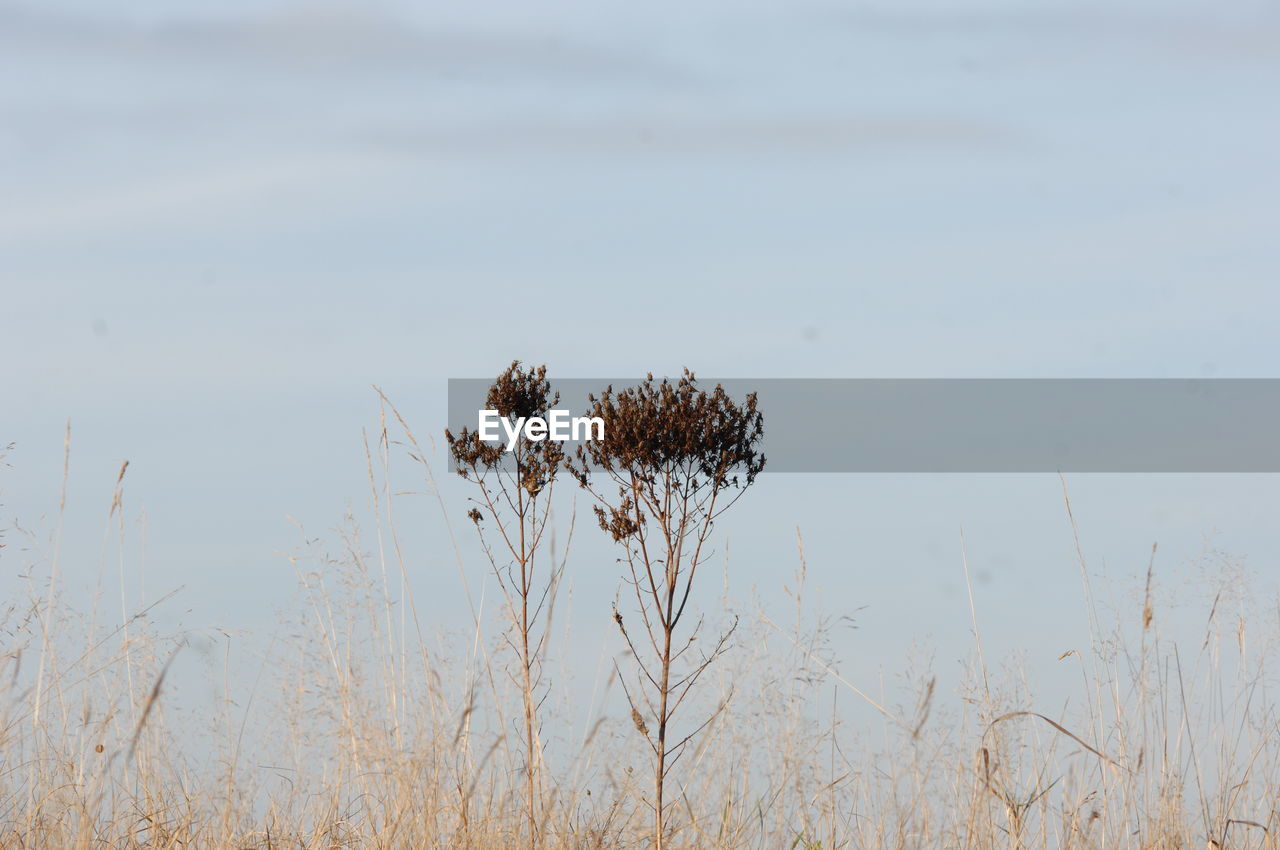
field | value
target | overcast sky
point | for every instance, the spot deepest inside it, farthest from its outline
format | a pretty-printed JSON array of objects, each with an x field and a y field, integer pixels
[{"x": 221, "y": 223}]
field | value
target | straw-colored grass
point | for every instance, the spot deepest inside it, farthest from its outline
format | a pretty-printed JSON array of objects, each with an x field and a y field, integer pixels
[{"x": 367, "y": 730}]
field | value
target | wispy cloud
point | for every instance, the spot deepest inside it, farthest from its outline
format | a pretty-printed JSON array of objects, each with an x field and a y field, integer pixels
[
  {"x": 192, "y": 196},
  {"x": 712, "y": 134},
  {"x": 1242, "y": 32},
  {"x": 341, "y": 37}
]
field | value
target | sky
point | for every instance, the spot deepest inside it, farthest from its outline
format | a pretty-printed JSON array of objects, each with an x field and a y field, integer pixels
[{"x": 222, "y": 224}]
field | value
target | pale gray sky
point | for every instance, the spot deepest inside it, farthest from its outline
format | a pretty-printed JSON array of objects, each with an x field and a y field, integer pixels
[{"x": 222, "y": 222}]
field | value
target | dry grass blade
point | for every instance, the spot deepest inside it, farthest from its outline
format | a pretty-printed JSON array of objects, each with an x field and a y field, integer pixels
[{"x": 1061, "y": 729}]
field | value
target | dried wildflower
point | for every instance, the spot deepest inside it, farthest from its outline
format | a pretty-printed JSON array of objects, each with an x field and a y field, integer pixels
[
  {"x": 514, "y": 491},
  {"x": 671, "y": 453}
]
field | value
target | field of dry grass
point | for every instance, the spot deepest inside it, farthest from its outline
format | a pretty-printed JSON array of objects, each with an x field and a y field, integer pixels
[{"x": 372, "y": 732}]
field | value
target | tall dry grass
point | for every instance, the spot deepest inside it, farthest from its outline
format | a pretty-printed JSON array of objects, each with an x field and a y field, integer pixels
[{"x": 367, "y": 728}]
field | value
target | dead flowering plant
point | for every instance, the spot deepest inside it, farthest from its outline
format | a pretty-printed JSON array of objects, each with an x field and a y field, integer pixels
[
  {"x": 674, "y": 457},
  {"x": 514, "y": 494}
]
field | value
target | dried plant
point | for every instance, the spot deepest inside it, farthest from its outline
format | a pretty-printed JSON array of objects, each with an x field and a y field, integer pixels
[
  {"x": 515, "y": 493},
  {"x": 675, "y": 457}
]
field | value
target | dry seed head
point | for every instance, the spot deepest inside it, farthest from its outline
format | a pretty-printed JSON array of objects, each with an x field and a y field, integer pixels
[
  {"x": 639, "y": 722},
  {"x": 516, "y": 393},
  {"x": 703, "y": 439}
]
